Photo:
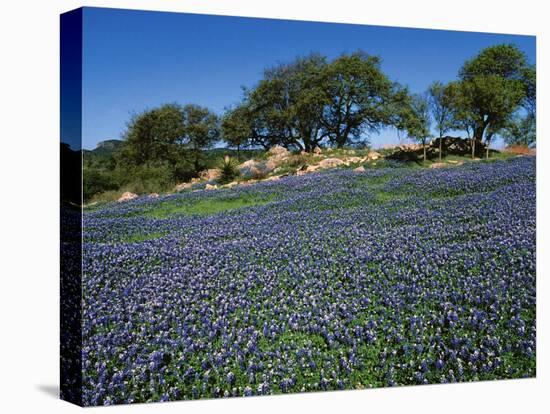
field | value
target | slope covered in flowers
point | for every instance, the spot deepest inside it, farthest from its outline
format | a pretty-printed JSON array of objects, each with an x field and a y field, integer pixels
[{"x": 337, "y": 280}]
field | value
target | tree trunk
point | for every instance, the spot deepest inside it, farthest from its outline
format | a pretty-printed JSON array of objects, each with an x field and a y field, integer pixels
[
  {"x": 238, "y": 152},
  {"x": 473, "y": 147},
  {"x": 424, "y": 149},
  {"x": 440, "y": 146},
  {"x": 196, "y": 162},
  {"x": 487, "y": 151}
]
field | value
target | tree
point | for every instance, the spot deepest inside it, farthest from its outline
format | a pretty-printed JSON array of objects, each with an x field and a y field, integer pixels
[
  {"x": 490, "y": 90},
  {"x": 358, "y": 95},
  {"x": 236, "y": 127},
  {"x": 504, "y": 60},
  {"x": 440, "y": 100},
  {"x": 463, "y": 117},
  {"x": 529, "y": 80},
  {"x": 528, "y": 124},
  {"x": 200, "y": 131},
  {"x": 287, "y": 105},
  {"x": 310, "y": 101},
  {"x": 417, "y": 120},
  {"x": 489, "y": 102},
  {"x": 153, "y": 136}
]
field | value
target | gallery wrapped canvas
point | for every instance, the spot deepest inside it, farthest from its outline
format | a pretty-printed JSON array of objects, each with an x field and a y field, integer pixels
[{"x": 254, "y": 206}]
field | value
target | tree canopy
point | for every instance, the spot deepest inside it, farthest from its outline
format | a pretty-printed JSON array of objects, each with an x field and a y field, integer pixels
[
  {"x": 312, "y": 101},
  {"x": 153, "y": 136},
  {"x": 490, "y": 89},
  {"x": 359, "y": 96},
  {"x": 417, "y": 120},
  {"x": 168, "y": 134}
]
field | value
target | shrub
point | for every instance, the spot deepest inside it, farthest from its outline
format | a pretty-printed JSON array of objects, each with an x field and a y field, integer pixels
[
  {"x": 229, "y": 170},
  {"x": 96, "y": 181},
  {"x": 145, "y": 179}
]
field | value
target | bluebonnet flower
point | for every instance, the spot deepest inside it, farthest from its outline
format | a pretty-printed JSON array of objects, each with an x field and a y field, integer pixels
[{"x": 319, "y": 283}]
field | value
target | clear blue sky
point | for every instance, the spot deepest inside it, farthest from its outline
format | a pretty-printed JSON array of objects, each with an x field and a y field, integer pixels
[{"x": 133, "y": 60}]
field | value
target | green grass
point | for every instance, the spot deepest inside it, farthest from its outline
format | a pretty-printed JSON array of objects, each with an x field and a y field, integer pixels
[
  {"x": 206, "y": 207},
  {"x": 382, "y": 197}
]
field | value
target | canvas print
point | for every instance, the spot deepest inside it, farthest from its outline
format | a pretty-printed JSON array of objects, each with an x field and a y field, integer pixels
[{"x": 256, "y": 206}]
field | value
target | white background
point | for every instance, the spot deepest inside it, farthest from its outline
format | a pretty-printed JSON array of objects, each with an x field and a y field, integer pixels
[{"x": 29, "y": 223}]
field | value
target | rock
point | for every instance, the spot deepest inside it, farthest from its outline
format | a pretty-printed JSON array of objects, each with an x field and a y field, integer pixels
[
  {"x": 273, "y": 178},
  {"x": 330, "y": 163},
  {"x": 301, "y": 172},
  {"x": 276, "y": 155},
  {"x": 127, "y": 196},
  {"x": 211, "y": 187},
  {"x": 359, "y": 169},
  {"x": 456, "y": 162},
  {"x": 272, "y": 163},
  {"x": 247, "y": 183},
  {"x": 457, "y": 146},
  {"x": 210, "y": 174},
  {"x": 312, "y": 168},
  {"x": 354, "y": 160},
  {"x": 317, "y": 151},
  {"x": 278, "y": 152},
  {"x": 437, "y": 165},
  {"x": 230, "y": 185},
  {"x": 153, "y": 195},
  {"x": 254, "y": 169},
  {"x": 373, "y": 155},
  {"x": 183, "y": 186}
]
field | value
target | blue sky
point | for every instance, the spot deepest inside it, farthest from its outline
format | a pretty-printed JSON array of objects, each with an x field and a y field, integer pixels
[{"x": 134, "y": 60}]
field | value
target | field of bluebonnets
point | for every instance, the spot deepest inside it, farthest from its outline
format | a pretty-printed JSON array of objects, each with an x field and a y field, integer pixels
[{"x": 336, "y": 280}]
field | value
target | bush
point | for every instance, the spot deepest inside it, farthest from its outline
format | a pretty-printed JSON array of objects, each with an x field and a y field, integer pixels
[
  {"x": 228, "y": 170},
  {"x": 95, "y": 181},
  {"x": 148, "y": 179},
  {"x": 105, "y": 197},
  {"x": 183, "y": 171}
]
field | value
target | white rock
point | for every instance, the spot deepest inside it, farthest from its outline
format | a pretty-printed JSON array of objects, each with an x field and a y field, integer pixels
[
  {"x": 278, "y": 151},
  {"x": 127, "y": 196},
  {"x": 253, "y": 169},
  {"x": 210, "y": 174},
  {"x": 373, "y": 155},
  {"x": 331, "y": 163},
  {"x": 183, "y": 186}
]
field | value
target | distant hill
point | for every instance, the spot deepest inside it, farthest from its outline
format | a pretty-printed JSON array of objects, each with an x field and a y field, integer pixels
[
  {"x": 102, "y": 155},
  {"x": 107, "y": 146}
]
